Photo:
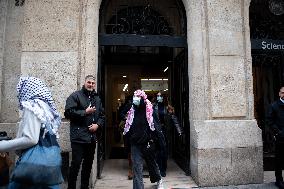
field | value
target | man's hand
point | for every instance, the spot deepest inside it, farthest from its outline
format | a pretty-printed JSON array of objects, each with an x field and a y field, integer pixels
[
  {"x": 93, "y": 128},
  {"x": 90, "y": 110}
]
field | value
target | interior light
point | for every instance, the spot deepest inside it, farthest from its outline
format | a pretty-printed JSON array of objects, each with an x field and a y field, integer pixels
[
  {"x": 125, "y": 87},
  {"x": 166, "y": 69},
  {"x": 124, "y": 76},
  {"x": 155, "y": 79}
]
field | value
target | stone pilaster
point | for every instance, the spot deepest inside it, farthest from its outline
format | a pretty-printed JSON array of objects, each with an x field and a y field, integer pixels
[
  {"x": 10, "y": 68},
  {"x": 3, "y": 13},
  {"x": 226, "y": 144}
]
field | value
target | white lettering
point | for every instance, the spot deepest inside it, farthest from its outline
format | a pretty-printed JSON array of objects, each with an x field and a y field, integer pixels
[
  {"x": 271, "y": 46},
  {"x": 274, "y": 46},
  {"x": 263, "y": 45}
]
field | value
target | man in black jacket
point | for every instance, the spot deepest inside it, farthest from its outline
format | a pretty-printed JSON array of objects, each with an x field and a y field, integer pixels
[
  {"x": 275, "y": 121},
  {"x": 85, "y": 111}
]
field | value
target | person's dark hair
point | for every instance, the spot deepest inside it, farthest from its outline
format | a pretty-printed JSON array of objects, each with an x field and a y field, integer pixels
[
  {"x": 90, "y": 77},
  {"x": 128, "y": 98}
]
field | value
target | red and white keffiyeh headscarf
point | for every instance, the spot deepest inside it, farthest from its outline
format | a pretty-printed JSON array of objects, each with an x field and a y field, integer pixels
[{"x": 149, "y": 112}]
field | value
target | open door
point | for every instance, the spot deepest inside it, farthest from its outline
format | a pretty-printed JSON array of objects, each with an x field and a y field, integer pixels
[
  {"x": 268, "y": 75},
  {"x": 101, "y": 92},
  {"x": 180, "y": 95}
]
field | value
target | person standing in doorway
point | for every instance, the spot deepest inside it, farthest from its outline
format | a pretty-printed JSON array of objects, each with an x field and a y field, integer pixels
[
  {"x": 275, "y": 121},
  {"x": 167, "y": 119},
  {"x": 86, "y": 114},
  {"x": 143, "y": 129}
]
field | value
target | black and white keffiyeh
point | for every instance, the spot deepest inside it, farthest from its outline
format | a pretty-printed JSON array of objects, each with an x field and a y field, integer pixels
[{"x": 34, "y": 95}]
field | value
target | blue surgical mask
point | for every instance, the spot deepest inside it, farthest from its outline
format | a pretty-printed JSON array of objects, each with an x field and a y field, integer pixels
[
  {"x": 136, "y": 100},
  {"x": 159, "y": 98}
]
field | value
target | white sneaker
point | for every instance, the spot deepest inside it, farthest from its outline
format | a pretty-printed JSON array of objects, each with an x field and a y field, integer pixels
[{"x": 160, "y": 184}]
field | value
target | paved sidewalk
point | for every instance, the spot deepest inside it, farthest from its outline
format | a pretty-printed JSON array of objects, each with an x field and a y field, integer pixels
[
  {"x": 268, "y": 183},
  {"x": 250, "y": 186},
  {"x": 115, "y": 171},
  {"x": 115, "y": 176}
]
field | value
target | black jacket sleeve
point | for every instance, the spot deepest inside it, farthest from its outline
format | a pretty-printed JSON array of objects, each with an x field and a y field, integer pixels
[
  {"x": 101, "y": 119},
  {"x": 72, "y": 108},
  {"x": 176, "y": 123},
  {"x": 159, "y": 133},
  {"x": 271, "y": 119}
]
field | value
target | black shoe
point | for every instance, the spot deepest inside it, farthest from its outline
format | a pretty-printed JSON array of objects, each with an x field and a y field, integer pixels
[
  {"x": 163, "y": 174},
  {"x": 279, "y": 184}
]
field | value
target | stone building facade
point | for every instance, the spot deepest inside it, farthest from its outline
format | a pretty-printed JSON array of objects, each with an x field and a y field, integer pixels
[{"x": 58, "y": 42}]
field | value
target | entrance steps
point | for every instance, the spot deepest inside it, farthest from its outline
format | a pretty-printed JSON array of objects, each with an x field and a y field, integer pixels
[{"x": 115, "y": 172}]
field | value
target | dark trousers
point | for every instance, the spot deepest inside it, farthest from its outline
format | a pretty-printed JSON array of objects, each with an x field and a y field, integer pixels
[
  {"x": 162, "y": 156},
  {"x": 81, "y": 152},
  {"x": 162, "y": 162},
  {"x": 137, "y": 155},
  {"x": 279, "y": 160}
]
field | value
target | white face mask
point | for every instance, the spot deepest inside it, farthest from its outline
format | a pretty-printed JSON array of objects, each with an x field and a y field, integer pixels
[
  {"x": 160, "y": 99},
  {"x": 136, "y": 100}
]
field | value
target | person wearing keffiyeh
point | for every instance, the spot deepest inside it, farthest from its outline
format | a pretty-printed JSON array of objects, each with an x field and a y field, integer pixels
[
  {"x": 145, "y": 136},
  {"x": 38, "y": 113}
]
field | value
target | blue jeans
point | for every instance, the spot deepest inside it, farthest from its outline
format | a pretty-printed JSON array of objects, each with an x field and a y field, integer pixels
[
  {"x": 138, "y": 155},
  {"x": 14, "y": 185}
]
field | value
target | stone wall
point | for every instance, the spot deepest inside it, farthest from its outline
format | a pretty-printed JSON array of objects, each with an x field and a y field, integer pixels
[
  {"x": 11, "y": 61},
  {"x": 3, "y": 13},
  {"x": 51, "y": 45},
  {"x": 57, "y": 41}
]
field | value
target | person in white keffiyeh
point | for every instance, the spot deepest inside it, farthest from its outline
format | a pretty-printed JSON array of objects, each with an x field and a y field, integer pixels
[
  {"x": 34, "y": 95},
  {"x": 38, "y": 113}
]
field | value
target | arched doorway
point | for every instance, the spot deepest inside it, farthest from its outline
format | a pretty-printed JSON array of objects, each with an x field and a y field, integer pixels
[
  {"x": 142, "y": 45},
  {"x": 267, "y": 40}
]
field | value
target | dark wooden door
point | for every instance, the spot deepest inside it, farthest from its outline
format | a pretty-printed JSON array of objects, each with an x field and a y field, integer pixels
[
  {"x": 268, "y": 75},
  {"x": 101, "y": 92},
  {"x": 180, "y": 100}
]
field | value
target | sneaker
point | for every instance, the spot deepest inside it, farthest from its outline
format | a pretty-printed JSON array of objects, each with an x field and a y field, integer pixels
[
  {"x": 279, "y": 184},
  {"x": 160, "y": 184}
]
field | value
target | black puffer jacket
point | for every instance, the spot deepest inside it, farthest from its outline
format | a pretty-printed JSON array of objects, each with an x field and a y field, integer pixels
[
  {"x": 75, "y": 107},
  {"x": 275, "y": 119},
  {"x": 140, "y": 133}
]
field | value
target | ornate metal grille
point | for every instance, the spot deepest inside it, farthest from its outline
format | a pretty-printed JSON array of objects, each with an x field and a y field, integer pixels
[
  {"x": 266, "y": 19},
  {"x": 19, "y": 3},
  {"x": 138, "y": 20}
]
